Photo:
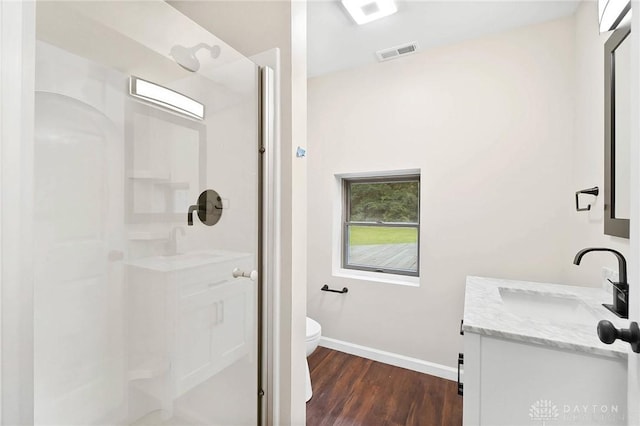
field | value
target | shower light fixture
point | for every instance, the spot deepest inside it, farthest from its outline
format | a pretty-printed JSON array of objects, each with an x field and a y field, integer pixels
[
  {"x": 167, "y": 98},
  {"x": 364, "y": 11},
  {"x": 613, "y": 14}
]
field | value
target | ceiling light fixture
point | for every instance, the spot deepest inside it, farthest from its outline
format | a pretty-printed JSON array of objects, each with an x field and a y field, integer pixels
[
  {"x": 613, "y": 14},
  {"x": 364, "y": 11}
]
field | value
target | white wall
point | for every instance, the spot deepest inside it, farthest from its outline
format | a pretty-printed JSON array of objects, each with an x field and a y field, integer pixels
[
  {"x": 588, "y": 149},
  {"x": 494, "y": 126}
]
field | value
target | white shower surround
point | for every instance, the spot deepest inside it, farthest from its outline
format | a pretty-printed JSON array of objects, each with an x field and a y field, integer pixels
[{"x": 18, "y": 42}]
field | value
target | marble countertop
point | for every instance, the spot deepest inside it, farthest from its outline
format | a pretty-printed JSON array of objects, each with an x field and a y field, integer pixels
[{"x": 485, "y": 312}]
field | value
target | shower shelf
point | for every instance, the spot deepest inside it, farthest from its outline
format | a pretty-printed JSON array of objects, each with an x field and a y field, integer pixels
[
  {"x": 148, "y": 175},
  {"x": 147, "y": 236},
  {"x": 157, "y": 179},
  {"x": 149, "y": 369},
  {"x": 175, "y": 185}
]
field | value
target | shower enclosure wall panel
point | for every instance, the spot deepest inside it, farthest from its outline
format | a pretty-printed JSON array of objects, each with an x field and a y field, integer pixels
[{"x": 78, "y": 285}]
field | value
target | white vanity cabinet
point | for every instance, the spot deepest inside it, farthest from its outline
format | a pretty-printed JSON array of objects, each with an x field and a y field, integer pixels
[
  {"x": 532, "y": 356},
  {"x": 514, "y": 383},
  {"x": 213, "y": 321},
  {"x": 189, "y": 319}
]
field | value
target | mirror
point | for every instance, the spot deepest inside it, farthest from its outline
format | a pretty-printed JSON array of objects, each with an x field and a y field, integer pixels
[
  {"x": 165, "y": 164},
  {"x": 617, "y": 133}
]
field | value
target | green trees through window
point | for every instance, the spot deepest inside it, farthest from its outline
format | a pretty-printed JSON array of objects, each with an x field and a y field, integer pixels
[{"x": 385, "y": 202}]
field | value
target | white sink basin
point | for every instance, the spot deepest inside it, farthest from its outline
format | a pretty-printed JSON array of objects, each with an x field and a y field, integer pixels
[
  {"x": 192, "y": 256},
  {"x": 563, "y": 308},
  {"x": 194, "y": 259}
]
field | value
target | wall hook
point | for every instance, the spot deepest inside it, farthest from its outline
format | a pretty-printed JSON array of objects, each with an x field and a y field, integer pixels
[{"x": 590, "y": 191}]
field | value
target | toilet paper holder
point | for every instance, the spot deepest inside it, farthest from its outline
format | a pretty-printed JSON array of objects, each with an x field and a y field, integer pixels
[
  {"x": 590, "y": 191},
  {"x": 326, "y": 288}
]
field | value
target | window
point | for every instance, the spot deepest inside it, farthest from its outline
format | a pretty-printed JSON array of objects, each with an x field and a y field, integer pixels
[{"x": 381, "y": 224}]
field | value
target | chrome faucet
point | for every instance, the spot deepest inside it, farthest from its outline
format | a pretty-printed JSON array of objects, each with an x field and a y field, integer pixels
[
  {"x": 172, "y": 244},
  {"x": 620, "y": 305}
]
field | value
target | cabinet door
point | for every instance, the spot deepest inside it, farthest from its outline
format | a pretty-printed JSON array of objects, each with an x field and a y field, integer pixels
[
  {"x": 197, "y": 317},
  {"x": 524, "y": 384},
  {"x": 231, "y": 338},
  {"x": 214, "y": 330},
  {"x": 471, "y": 380}
]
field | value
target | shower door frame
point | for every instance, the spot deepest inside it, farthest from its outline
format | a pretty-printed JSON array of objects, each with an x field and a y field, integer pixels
[
  {"x": 268, "y": 242},
  {"x": 17, "y": 80}
]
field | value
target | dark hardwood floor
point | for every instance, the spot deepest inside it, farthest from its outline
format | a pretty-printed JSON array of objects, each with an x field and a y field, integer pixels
[{"x": 354, "y": 391}]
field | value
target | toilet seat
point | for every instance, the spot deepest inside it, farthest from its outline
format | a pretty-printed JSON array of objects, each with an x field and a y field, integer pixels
[
  {"x": 312, "y": 340},
  {"x": 313, "y": 329}
]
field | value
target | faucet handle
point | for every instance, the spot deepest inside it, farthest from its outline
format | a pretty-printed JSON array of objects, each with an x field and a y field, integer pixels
[{"x": 623, "y": 287}]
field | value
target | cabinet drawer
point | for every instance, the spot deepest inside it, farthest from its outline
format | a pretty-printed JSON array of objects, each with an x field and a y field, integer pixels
[
  {"x": 204, "y": 285},
  {"x": 201, "y": 279}
]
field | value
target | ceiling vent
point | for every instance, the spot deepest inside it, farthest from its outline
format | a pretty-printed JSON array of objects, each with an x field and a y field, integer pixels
[{"x": 397, "y": 51}]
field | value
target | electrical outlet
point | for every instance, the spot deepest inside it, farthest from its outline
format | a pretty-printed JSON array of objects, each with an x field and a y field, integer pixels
[{"x": 609, "y": 274}]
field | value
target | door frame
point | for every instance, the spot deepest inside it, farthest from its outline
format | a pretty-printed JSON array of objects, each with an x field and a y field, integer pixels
[
  {"x": 633, "y": 375},
  {"x": 270, "y": 243}
]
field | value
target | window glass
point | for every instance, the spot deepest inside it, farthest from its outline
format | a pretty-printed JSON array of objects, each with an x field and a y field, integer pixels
[
  {"x": 384, "y": 201},
  {"x": 381, "y": 227}
]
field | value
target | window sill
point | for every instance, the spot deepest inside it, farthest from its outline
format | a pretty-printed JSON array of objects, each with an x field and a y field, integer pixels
[{"x": 377, "y": 277}]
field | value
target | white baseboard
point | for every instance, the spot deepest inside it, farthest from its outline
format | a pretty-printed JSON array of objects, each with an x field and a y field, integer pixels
[{"x": 390, "y": 358}]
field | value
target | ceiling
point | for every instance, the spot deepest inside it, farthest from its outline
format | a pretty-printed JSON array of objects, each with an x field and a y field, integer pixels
[{"x": 336, "y": 43}]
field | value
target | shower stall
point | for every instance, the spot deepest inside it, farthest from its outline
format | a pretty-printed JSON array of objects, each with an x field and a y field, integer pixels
[{"x": 142, "y": 169}]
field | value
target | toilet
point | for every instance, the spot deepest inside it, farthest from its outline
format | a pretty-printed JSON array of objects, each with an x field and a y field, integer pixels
[{"x": 314, "y": 331}]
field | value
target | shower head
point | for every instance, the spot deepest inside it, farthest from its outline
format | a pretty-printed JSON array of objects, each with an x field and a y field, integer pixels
[{"x": 186, "y": 56}]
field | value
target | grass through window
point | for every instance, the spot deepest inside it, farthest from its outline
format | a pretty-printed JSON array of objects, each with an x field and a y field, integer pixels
[{"x": 367, "y": 235}]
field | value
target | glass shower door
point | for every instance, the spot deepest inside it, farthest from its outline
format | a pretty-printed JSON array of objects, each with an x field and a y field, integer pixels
[{"x": 146, "y": 226}]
